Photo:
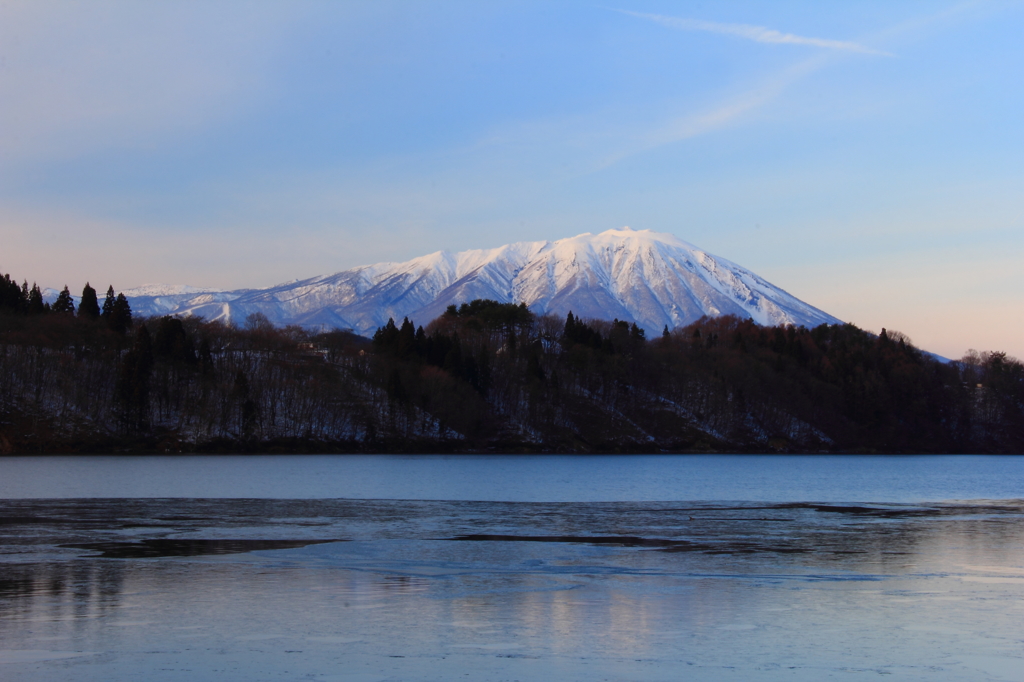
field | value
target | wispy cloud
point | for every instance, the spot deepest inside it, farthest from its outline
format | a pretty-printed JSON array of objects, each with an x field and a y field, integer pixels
[
  {"x": 725, "y": 114},
  {"x": 715, "y": 118},
  {"x": 758, "y": 34},
  {"x": 598, "y": 140}
]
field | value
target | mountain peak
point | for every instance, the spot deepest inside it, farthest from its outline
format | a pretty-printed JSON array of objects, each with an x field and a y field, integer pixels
[{"x": 651, "y": 278}]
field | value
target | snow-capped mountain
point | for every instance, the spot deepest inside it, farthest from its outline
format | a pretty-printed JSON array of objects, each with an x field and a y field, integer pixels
[{"x": 639, "y": 276}]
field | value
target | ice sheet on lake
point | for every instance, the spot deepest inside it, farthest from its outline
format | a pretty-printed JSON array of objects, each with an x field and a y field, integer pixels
[{"x": 428, "y": 590}]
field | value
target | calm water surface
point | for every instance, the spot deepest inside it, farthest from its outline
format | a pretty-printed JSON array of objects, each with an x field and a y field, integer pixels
[
  {"x": 541, "y": 478},
  {"x": 512, "y": 568}
]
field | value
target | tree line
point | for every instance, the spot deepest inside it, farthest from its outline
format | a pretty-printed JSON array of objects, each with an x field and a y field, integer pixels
[
  {"x": 488, "y": 377},
  {"x": 720, "y": 383},
  {"x": 22, "y": 300}
]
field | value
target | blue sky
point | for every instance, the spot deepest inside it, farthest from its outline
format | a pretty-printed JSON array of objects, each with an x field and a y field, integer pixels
[{"x": 868, "y": 157}]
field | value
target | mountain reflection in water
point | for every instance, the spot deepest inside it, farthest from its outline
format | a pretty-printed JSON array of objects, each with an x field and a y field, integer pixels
[{"x": 370, "y": 589}]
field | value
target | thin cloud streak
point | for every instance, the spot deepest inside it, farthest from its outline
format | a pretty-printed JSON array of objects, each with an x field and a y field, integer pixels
[
  {"x": 709, "y": 121},
  {"x": 758, "y": 34}
]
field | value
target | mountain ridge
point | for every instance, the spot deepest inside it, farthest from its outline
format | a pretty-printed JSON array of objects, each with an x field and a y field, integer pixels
[{"x": 653, "y": 279}]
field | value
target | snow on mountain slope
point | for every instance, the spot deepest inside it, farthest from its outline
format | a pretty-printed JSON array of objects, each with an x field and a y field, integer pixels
[{"x": 651, "y": 278}]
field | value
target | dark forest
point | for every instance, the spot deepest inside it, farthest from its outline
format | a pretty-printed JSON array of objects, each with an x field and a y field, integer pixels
[{"x": 483, "y": 377}]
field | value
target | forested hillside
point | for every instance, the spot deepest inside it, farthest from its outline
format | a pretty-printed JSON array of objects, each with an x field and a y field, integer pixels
[{"x": 484, "y": 377}]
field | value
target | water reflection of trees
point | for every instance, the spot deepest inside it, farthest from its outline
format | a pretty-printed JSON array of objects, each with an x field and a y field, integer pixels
[{"x": 57, "y": 591}]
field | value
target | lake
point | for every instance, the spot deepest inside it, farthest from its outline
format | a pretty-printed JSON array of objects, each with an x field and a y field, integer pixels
[{"x": 511, "y": 568}]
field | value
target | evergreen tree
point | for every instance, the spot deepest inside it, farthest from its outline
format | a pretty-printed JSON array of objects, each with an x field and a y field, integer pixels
[
  {"x": 120, "y": 319},
  {"x": 36, "y": 306},
  {"x": 12, "y": 299},
  {"x": 578, "y": 332},
  {"x": 569, "y": 332},
  {"x": 108, "y": 304},
  {"x": 64, "y": 302},
  {"x": 89, "y": 306},
  {"x": 385, "y": 338},
  {"x": 405, "y": 342},
  {"x": 172, "y": 342}
]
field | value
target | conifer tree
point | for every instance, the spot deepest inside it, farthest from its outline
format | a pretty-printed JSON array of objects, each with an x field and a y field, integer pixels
[
  {"x": 64, "y": 303},
  {"x": 36, "y": 306},
  {"x": 108, "y": 304},
  {"x": 385, "y": 337},
  {"x": 405, "y": 341},
  {"x": 11, "y": 298},
  {"x": 89, "y": 306},
  {"x": 569, "y": 332},
  {"x": 172, "y": 342},
  {"x": 120, "y": 319}
]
